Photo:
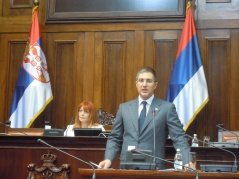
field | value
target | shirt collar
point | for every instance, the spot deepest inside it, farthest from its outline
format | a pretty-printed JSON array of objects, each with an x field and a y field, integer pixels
[{"x": 149, "y": 100}]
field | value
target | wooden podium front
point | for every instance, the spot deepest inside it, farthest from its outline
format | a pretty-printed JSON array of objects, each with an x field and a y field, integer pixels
[
  {"x": 151, "y": 174},
  {"x": 17, "y": 152}
]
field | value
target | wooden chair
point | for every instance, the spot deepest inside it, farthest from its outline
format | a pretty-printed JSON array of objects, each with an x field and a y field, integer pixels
[
  {"x": 48, "y": 170},
  {"x": 106, "y": 119},
  {"x": 230, "y": 136}
]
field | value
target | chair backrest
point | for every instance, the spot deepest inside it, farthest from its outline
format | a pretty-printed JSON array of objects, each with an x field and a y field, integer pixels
[
  {"x": 230, "y": 136},
  {"x": 48, "y": 170},
  {"x": 105, "y": 118}
]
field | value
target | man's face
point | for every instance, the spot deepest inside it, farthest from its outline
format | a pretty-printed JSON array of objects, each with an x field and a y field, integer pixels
[{"x": 145, "y": 85}]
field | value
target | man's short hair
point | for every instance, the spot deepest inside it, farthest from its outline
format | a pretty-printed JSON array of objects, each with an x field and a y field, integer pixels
[{"x": 147, "y": 69}]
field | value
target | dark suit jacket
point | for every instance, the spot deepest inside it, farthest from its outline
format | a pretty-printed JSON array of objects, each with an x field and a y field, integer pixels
[{"x": 125, "y": 131}]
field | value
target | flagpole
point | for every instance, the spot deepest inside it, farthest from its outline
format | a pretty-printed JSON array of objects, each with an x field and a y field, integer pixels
[
  {"x": 33, "y": 88},
  {"x": 36, "y": 2},
  {"x": 194, "y": 7}
]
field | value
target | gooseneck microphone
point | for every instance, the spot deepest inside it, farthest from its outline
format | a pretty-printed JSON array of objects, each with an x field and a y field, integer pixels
[
  {"x": 13, "y": 129},
  {"x": 142, "y": 153},
  {"x": 153, "y": 114},
  {"x": 68, "y": 126},
  {"x": 220, "y": 127},
  {"x": 43, "y": 142},
  {"x": 222, "y": 168}
]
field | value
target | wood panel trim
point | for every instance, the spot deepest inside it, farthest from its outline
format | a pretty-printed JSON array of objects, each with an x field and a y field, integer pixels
[
  {"x": 218, "y": 1},
  {"x": 27, "y": 5},
  {"x": 71, "y": 14},
  {"x": 115, "y": 41}
]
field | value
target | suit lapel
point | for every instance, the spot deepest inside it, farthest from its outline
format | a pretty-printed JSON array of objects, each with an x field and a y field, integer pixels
[{"x": 133, "y": 110}]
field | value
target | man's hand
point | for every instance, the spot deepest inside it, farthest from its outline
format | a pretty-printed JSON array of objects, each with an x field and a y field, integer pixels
[
  {"x": 105, "y": 164},
  {"x": 190, "y": 165}
]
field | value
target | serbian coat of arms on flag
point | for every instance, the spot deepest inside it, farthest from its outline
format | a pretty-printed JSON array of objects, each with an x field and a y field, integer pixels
[{"x": 33, "y": 89}]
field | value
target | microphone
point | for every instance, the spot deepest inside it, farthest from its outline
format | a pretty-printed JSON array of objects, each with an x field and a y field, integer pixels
[
  {"x": 220, "y": 127},
  {"x": 69, "y": 126},
  {"x": 43, "y": 142},
  {"x": 154, "y": 114},
  {"x": 13, "y": 129},
  {"x": 142, "y": 153},
  {"x": 222, "y": 168}
]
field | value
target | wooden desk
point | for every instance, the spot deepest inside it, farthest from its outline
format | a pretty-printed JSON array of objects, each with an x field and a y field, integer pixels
[
  {"x": 16, "y": 152},
  {"x": 115, "y": 174}
]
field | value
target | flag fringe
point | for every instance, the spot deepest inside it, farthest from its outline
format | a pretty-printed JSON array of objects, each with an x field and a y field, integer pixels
[
  {"x": 195, "y": 114},
  {"x": 39, "y": 112}
]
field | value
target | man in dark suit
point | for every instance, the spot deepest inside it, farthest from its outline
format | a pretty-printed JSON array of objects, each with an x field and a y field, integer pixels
[{"x": 128, "y": 131}]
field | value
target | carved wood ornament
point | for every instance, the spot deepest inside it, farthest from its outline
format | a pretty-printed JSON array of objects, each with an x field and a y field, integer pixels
[{"x": 48, "y": 170}]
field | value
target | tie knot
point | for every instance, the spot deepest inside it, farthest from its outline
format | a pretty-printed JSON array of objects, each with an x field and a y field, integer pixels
[{"x": 144, "y": 103}]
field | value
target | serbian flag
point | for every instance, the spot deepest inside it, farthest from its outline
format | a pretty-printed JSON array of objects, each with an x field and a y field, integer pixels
[
  {"x": 188, "y": 87},
  {"x": 33, "y": 89}
]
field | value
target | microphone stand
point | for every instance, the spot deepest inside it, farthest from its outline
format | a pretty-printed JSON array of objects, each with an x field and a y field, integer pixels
[
  {"x": 69, "y": 126},
  {"x": 154, "y": 113},
  {"x": 222, "y": 168},
  {"x": 139, "y": 152},
  {"x": 13, "y": 129},
  {"x": 237, "y": 142},
  {"x": 43, "y": 142}
]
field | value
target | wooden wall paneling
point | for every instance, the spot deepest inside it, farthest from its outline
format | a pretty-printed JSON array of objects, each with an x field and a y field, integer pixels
[
  {"x": 218, "y": 57},
  {"x": 165, "y": 44},
  {"x": 17, "y": 7},
  {"x": 112, "y": 50},
  {"x": 114, "y": 73},
  {"x": 218, "y": 10},
  {"x": 16, "y": 50},
  {"x": 3, "y": 77},
  {"x": 139, "y": 51},
  {"x": 1, "y": 9},
  {"x": 98, "y": 69},
  {"x": 20, "y": 11},
  {"x": 42, "y": 11},
  {"x": 16, "y": 11},
  {"x": 64, "y": 89},
  {"x": 21, "y": 3},
  {"x": 234, "y": 79},
  {"x": 13, "y": 47},
  {"x": 134, "y": 61},
  {"x": 149, "y": 46},
  {"x": 88, "y": 70},
  {"x": 79, "y": 73},
  {"x": 62, "y": 60},
  {"x": 141, "y": 44}
]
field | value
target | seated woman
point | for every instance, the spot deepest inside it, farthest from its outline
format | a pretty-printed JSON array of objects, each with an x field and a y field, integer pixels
[{"x": 86, "y": 118}]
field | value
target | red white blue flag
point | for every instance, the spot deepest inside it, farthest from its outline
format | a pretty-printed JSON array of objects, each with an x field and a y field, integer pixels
[
  {"x": 188, "y": 87},
  {"x": 33, "y": 89}
]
